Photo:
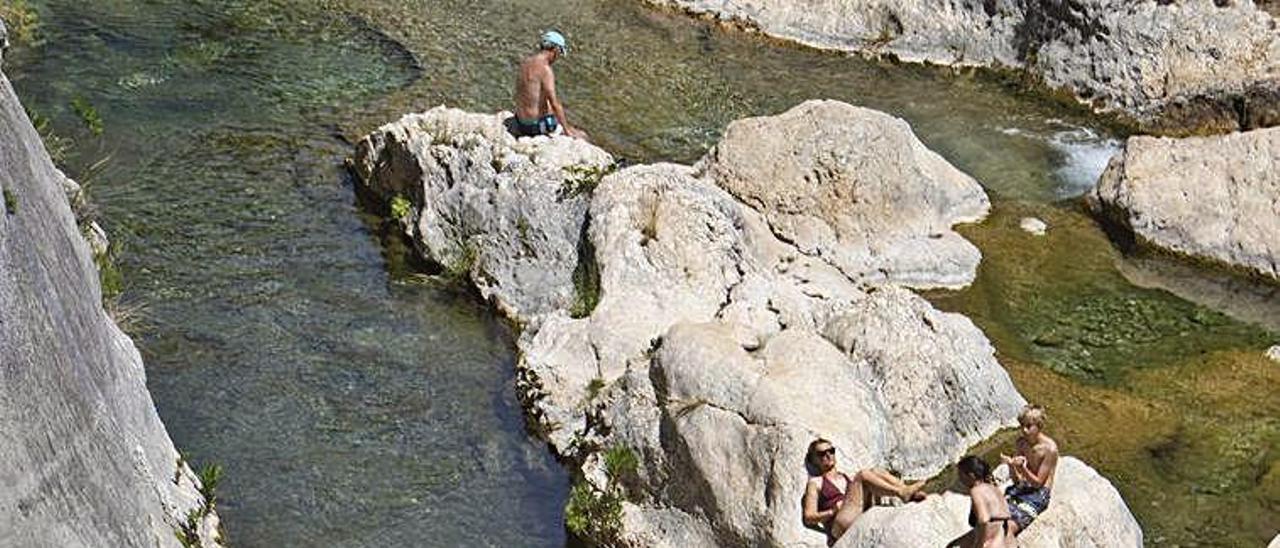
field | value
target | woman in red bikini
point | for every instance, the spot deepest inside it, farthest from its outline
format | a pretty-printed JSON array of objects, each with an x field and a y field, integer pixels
[{"x": 833, "y": 499}]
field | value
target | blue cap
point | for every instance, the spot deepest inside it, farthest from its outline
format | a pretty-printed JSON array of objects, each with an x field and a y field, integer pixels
[{"x": 554, "y": 39}]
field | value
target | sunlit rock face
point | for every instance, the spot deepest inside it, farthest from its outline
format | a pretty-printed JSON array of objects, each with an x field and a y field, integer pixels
[
  {"x": 716, "y": 317},
  {"x": 1195, "y": 65},
  {"x": 84, "y": 458}
]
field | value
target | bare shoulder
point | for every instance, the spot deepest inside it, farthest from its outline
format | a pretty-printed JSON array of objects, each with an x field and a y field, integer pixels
[{"x": 1047, "y": 446}]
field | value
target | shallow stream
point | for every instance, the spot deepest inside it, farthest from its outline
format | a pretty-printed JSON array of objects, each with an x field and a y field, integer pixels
[{"x": 356, "y": 403}]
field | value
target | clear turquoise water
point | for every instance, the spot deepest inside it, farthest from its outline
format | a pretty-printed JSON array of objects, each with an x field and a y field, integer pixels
[{"x": 353, "y": 403}]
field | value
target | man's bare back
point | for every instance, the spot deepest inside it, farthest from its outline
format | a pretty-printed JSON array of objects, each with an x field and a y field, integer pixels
[
  {"x": 531, "y": 80},
  {"x": 538, "y": 108}
]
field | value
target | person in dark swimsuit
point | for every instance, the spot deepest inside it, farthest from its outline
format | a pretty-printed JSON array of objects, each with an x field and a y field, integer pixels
[
  {"x": 538, "y": 108},
  {"x": 988, "y": 513},
  {"x": 833, "y": 499}
]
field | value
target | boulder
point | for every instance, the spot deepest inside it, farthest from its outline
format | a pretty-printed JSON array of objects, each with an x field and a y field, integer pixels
[
  {"x": 1086, "y": 511},
  {"x": 1172, "y": 66},
  {"x": 505, "y": 213},
  {"x": 1213, "y": 198},
  {"x": 858, "y": 189},
  {"x": 1273, "y": 353},
  {"x": 86, "y": 460},
  {"x": 718, "y": 317}
]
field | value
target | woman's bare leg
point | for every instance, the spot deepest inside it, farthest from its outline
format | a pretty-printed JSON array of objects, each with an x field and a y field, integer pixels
[
  {"x": 890, "y": 484},
  {"x": 855, "y": 497}
]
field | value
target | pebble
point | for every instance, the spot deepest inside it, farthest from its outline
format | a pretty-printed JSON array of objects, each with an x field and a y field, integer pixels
[{"x": 1034, "y": 226}]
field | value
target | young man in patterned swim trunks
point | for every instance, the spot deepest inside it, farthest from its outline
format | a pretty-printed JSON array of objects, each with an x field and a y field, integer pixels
[{"x": 1032, "y": 469}]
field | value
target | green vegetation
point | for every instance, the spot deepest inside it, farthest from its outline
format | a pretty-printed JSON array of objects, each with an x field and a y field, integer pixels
[
  {"x": 621, "y": 464},
  {"x": 594, "y": 387},
  {"x": 109, "y": 275},
  {"x": 593, "y": 516},
  {"x": 88, "y": 114},
  {"x": 586, "y": 282},
  {"x": 188, "y": 532},
  {"x": 583, "y": 179},
  {"x": 55, "y": 144},
  {"x": 400, "y": 207},
  {"x": 10, "y": 202},
  {"x": 22, "y": 21},
  {"x": 210, "y": 476}
]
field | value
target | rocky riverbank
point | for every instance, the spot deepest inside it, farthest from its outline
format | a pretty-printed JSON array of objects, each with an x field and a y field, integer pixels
[
  {"x": 1192, "y": 66},
  {"x": 1210, "y": 198},
  {"x": 686, "y": 330},
  {"x": 87, "y": 461}
]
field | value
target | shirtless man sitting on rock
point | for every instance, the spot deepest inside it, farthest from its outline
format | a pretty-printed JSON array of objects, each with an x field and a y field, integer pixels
[
  {"x": 1032, "y": 470},
  {"x": 538, "y": 109}
]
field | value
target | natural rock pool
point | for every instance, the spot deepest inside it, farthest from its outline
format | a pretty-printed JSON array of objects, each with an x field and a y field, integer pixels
[{"x": 352, "y": 402}]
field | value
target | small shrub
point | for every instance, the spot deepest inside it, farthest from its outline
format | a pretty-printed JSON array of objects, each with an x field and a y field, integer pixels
[
  {"x": 400, "y": 207},
  {"x": 621, "y": 463},
  {"x": 210, "y": 475},
  {"x": 10, "y": 202},
  {"x": 593, "y": 516},
  {"x": 88, "y": 114},
  {"x": 188, "y": 532}
]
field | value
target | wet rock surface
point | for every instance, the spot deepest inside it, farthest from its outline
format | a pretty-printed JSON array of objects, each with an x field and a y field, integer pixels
[{"x": 712, "y": 307}]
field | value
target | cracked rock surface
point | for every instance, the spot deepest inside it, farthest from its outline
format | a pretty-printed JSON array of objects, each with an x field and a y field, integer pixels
[{"x": 742, "y": 306}]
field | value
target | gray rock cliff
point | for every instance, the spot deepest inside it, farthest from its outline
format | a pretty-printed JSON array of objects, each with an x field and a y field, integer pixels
[
  {"x": 709, "y": 308},
  {"x": 1214, "y": 198},
  {"x": 84, "y": 458},
  {"x": 1173, "y": 66}
]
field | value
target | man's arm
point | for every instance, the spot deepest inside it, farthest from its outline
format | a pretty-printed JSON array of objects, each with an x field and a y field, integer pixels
[
  {"x": 549, "y": 93},
  {"x": 1048, "y": 459}
]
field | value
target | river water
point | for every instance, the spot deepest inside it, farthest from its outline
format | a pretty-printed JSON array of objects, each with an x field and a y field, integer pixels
[{"x": 354, "y": 402}]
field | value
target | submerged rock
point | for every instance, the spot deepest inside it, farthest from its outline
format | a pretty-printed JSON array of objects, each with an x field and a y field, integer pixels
[
  {"x": 1214, "y": 198},
  {"x": 84, "y": 458},
  {"x": 1033, "y": 226},
  {"x": 1173, "y": 66},
  {"x": 717, "y": 318}
]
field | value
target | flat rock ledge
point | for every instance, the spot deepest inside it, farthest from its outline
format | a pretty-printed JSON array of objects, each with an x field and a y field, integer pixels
[
  {"x": 1210, "y": 198},
  {"x": 1173, "y": 67},
  {"x": 711, "y": 320}
]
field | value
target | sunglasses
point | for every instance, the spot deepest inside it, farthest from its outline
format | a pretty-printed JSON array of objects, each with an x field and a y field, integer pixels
[{"x": 828, "y": 452}]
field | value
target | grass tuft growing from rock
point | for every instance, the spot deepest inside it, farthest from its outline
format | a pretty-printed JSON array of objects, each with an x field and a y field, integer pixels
[{"x": 10, "y": 202}]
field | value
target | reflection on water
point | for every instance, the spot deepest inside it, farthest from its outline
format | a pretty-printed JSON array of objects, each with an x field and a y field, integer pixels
[
  {"x": 354, "y": 406},
  {"x": 1244, "y": 299}
]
